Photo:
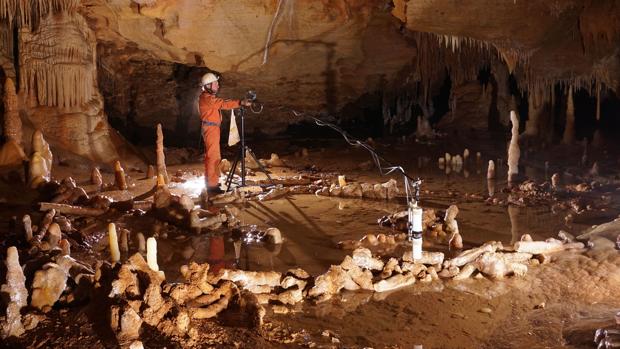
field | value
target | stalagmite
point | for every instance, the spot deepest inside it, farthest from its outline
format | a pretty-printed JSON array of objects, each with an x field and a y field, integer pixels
[
  {"x": 151, "y": 253},
  {"x": 150, "y": 172},
  {"x": 54, "y": 235},
  {"x": 119, "y": 176},
  {"x": 342, "y": 181},
  {"x": 478, "y": 158},
  {"x": 141, "y": 242},
  {"x": 27, "y": 227},
  {"x": 569, "y": 128},
  {"x": 115, "y": 253},
  {"x": 38, "y": 172},
  {"x": 465, "y": 155},
  {"x": 95, "y": 177},
  {"x": 124, "y": 241},
  {"x": 65, "y": 247},
  {"x": 161, "y": 157},
  {"x": 12, "y": 152},
  {"x": 513, "y": 148},
  {"x": 455, "y": 240},
  {"x": 555, "y": 181},
  {"x": 16, "y": 293},
  {"x": 491, "y": 170},
  {"x": 39, "y": 145},
  {"x": 12, "y": 121}
]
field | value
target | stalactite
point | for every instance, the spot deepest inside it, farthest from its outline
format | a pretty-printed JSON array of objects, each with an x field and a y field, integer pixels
[
  {"x": 569, "y": 129},
  {"x": 27, "y": 12},
  {"x": 12, "y": 121},
  {"x": 59, "y": 68}
]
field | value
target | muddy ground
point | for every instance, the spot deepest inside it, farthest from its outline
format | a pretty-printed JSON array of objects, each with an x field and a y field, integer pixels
[{"x": 555, "y": 305}]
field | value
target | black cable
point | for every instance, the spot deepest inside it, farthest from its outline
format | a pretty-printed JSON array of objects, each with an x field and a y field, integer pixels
[{"x": 377, "y": 159}]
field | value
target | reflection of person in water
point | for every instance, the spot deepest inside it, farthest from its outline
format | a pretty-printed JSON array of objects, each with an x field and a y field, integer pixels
[{"x": 217, "y": 253}]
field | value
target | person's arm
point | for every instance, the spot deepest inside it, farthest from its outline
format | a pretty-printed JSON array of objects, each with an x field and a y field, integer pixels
[{"x": 228, "y": 103}]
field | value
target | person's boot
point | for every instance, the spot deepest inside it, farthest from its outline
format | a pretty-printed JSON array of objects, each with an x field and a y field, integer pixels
[{"x": 214, "y": 191}]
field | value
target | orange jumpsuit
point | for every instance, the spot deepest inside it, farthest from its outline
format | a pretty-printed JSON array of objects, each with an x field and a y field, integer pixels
[{"x": 210, "y": 106}]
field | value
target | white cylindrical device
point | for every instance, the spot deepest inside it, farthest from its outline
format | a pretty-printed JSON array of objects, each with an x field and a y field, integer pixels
[{"x": 415, "y": 230}]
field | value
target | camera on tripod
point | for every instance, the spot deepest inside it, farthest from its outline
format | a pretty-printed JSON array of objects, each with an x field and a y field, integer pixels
[
  {"x": 251, "y": 95},
  {"x": 255, "y": 106}
]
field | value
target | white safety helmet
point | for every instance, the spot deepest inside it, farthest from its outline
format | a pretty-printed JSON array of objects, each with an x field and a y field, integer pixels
[{"x": 209, "y": 78}]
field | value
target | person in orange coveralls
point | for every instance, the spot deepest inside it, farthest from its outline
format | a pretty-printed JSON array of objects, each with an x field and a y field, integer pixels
[{"x": 210, "y": 113}]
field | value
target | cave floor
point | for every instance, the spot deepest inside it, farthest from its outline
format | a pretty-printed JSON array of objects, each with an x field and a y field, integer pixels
[{"x": 554, "y": 305}]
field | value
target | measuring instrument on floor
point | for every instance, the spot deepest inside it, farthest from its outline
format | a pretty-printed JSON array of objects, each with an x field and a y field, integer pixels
[{"x": 412, "y": 185}]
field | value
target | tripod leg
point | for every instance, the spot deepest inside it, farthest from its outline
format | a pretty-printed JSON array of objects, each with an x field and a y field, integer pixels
[
  {"x": 231, "y": 174},
  {"x": 262, "y": 168}
]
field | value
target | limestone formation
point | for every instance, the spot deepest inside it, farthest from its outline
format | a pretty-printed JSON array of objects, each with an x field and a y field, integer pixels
[
  {"x": 96, "y": 178},
  {"x": 569, "y": 127},
  {"x": 161, "y": 157},
  {"x": 49, "y": 283},
  {"x": 120, "y": 181},
  {"x": 115, "y": 254},
  {"x": 12, "y": 152},
  {"x": 14, "y": 289},
  {"x": 455, "y": 241},
  {"x": 513, "y": 148},
  {"x": 151, "y": 253},
  {"x": 491, "y": 170}
]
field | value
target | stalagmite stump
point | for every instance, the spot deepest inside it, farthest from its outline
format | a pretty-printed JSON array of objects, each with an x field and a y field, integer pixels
[
  {"x": 14, "y": 289},
  {"x": 96, "y": 178},
  {"x": 120, "y": 181}
]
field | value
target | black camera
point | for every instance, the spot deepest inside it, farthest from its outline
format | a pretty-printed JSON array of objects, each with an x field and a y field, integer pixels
[{"x": 251, "y": 95}]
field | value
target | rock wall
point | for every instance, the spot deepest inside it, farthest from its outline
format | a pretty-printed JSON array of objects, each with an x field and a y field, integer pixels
[{"x": 321, "y": 55}]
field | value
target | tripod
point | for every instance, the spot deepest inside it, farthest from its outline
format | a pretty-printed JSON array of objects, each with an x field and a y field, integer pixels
[{"x": 241, "y": 157}]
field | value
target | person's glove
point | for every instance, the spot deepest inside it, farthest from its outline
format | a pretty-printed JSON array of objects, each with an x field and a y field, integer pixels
[{"x": 246, "y": 102}]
